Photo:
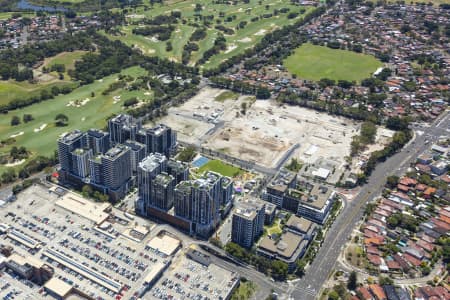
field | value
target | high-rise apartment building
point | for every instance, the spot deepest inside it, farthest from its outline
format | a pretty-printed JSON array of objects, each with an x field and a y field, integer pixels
[
  {"x": 198, "y": 201},
  {"x": 160, "y": 139},
  {"x": 97, "y": 140},
  {"x": 138, "y": 151},
  {"x": 148, "y": 169},
  {"x": 179, "y": 170},
  {"x": 80, "y": 162},
  {"x": 116, "y": 166},
  {"x": 162, "y": 192},
  {"x": 123, "y": 127},
  {"x": 66, "y": 144},
  {"x": 248, "y": 222}
]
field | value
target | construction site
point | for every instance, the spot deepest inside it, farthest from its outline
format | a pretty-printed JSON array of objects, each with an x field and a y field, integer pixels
[{"x": 261, "y": 130}]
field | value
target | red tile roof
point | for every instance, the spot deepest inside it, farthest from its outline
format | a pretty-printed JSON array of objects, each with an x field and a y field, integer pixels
[
  {"x": 429, "y": 191},
  {"x": 421, "y": 187},
  {"x": 374, "y": 259},
  {"x": 402, "y": 188},
  {"x": 408, "y": 181},
  {"x": 393, "y": 265},
  {"x": 378, "y": 291},
  {"x": 376, "y": 240},
  {"x": 373, "y": 250},
  {"x": 366, "y": 295},
  {"x": 412, "y": 260}
]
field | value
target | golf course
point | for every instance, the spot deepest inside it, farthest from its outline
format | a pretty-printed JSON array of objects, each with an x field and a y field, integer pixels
[
  {"x": 243, "y": 25},
  {"x": 86, "y": 107}
]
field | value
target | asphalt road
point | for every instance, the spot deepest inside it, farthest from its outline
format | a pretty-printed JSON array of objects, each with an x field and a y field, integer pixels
[{"x": 309, "y": 286}]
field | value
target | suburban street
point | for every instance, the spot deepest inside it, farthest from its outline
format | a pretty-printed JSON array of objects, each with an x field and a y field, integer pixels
[{"x": 309, "y": 287}]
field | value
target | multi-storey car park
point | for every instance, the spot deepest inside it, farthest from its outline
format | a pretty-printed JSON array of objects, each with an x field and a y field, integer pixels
[{"x": 56, "y": 243}]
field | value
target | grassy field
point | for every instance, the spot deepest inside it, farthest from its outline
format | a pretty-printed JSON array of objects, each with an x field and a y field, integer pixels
[
  {"x": 317, "y": 62},
  {"x": 10, "y": 90},
  {"x": 226, "y": 95},
  {"x": 355, "y": 256},
  {"x": 221, "y": 168},
  {"x": 244, "y": 291},
  {"x": 92, "y": 114},
  {"x": 67, "y": 59},
  {"x": 243, "y": 38}
]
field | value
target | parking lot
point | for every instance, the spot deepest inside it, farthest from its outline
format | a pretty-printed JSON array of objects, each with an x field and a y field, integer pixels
[
  {"x": 97, "y": 260},
  {"x": 188, "y": 279},
  {"x": 14, "y": 288}
]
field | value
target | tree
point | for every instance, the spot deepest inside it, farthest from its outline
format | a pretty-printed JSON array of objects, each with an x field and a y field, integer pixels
[
  {"x": 262, "y": 93},
  {"x": 169, "y": 46},
  {"x": 18, "y": 153},
  {"x": 397, "y": 123},
  {"x": 341, "y": 290},
  {"x": 87, "y": 190},
  {"x": 61, "y": 120},
  {"x": 27, "y": 118},
  {"x": 15, "y": 120},
  {"x": 384, "y": 74},
  {"x": 55, "y": 91},
  {"x": 130, "y": 102},
  {"x": 295, "y": 165},
  {"x": 9, "y": 176},
  {"x": 392, "y": 181},
  {"x": 236, "y": 250},
  {"x": 243, "y": 108},
  {"x": 301, "y": 264},
  {"x": 385, "y": 281},
  {"x": 333, "y": 295},
  {"x": 393, "y": 220},
  {"x": 352, "y": 281},
  {"x": 279, "y": 270},
  {"x": 426, "y": 270},
  {"x": 187, "y": 154},
  {"x": 198, "y": 7}
]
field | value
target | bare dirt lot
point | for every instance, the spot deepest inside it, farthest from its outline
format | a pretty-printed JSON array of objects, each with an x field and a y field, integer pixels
[{"x": 264, "y": 133}]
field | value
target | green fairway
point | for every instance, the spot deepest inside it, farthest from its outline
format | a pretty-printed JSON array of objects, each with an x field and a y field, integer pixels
[
  {"x": 93, "y": 114},
  {"x": 232, "y": 15},
  {"x": 317, "y": 62},
  {"x": 221, "y": 168},
  {"x": 10, "y": 90},
  {"x": 67, "y": 59}
]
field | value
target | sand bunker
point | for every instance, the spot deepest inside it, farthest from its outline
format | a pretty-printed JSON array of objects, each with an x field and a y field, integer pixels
[
  {"x": 78, "y": 103},
  {"x": 42, "y": 127},
  {"x": 17, "y": 134},
  {"x": 245, "y": 40},
  {"x": 15, "y": 163},
  {"x": 116, "y": 99},
  {"x": 261, "y": 32},
  {"x": 230, "y": 48}
]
